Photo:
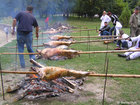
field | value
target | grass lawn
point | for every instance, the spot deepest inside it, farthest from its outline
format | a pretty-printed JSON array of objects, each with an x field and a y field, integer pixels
[{"x": 119, "y": 91}]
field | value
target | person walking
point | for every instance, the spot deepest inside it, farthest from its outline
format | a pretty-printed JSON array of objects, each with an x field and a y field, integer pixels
[
  {"x": 134, "y": 25},
  {"x": 47, "y": 22},
  {"x": 25, "y": 21},
  {"x": 6, "y": 30}
]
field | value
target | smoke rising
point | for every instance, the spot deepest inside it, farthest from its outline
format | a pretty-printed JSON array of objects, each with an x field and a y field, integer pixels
[{"x": 42, "y": 8}]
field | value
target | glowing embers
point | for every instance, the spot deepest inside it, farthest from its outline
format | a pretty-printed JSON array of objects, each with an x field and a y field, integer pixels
[{"x": 35, "y": 88}]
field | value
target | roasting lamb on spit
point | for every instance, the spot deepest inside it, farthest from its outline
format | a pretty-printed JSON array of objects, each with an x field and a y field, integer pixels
[
  {"x": 64, "y": 47},
  {"x": 53, "y": 44},
  {"x": 59, "y": 37},
  {"x": 51, "y": 73},
  {"x": 48, "y": 53},
  {"x": 52, "y": 31}
]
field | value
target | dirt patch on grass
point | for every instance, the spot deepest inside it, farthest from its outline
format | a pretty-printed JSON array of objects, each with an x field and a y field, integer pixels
[
  {"x": 89, "y": 91},
  {"x": 3, "y": 40},
  {"x": 9, "y": 80}
]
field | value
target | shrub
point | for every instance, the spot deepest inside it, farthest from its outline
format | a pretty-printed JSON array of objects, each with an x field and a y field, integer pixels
[{"x": 125, "y": 16}]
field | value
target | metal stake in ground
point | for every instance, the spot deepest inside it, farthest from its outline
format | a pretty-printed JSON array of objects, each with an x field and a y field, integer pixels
[
  {"x": 16, "y": 59},
  {"x": 96, "y": 29},
  {"x": 37, "y": 42},
  {"x": 105, "y": 82},
  {"x": 105, "y": 58},
  {"x": 80, "y": 32},
  {"x": 42, "y": 37},
  {"x": 89, "y": 43},
  {"x": 2, "y": 85}
]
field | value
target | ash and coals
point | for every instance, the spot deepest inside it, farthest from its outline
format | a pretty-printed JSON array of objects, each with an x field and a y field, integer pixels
[{"x": 35, "y": 88}]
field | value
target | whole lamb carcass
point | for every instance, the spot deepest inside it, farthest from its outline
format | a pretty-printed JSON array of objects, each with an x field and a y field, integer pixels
[
  {"x": 59, "y": 37},
  {"x": 50, "y": 73},
  {"x": 50, "y": 52},
  {"x": 53, "y": 44},
  {"x": 63, "y": 47},
  {"x": 52, "y": 31}
]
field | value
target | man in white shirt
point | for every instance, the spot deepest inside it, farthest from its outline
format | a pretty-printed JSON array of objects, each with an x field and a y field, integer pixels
[
  {"x": 124, "y": 43},
  {"x": 132, "y": 55},
  {"x": 104, "y": 18}
]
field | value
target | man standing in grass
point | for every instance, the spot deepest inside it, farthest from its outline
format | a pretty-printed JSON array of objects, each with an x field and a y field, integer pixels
[
  {"x": 25, "y": 21},
  {"x": 134, "y": 25}
]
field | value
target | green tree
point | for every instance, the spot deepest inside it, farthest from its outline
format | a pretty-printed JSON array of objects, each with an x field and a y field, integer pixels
[{"x": 125, "y": 16}]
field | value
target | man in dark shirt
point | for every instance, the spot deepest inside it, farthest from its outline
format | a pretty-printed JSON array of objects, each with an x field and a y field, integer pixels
[
  {"x": 105, "y": 29},
  {"x": 24, "y": 32}
]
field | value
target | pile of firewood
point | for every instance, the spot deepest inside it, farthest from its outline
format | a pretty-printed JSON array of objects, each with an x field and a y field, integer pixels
[{"x": 34, "y": 86}]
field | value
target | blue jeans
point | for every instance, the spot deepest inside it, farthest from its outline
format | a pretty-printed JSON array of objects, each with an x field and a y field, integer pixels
[
  {"x": 104, "y": 33},
  {"x": 124, "y": 44},
  {"x": 112, "y": 29},
  {"x": 24, "y": 38}
]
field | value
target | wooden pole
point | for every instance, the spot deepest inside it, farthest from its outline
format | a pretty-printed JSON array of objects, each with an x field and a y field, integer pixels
[
  {"x": 115, "y": 75},
  {"x": 36, "y": 63},
  {"x": 109, "y": 51},
  {"x": 2, "y": 84},
  {"x": 74, "y": 37},
  {"x": 93, "y": 36},
  {"x": 18, "y": 72},
  {"x": 77, "y": 30},
  {"x": 76, "y": 42},
  {"x": 83, "y": 30},
  {"x": 100, "y": 40},
  {"x": 26, "y": 47},
  {"x": 19, "y": 53},
  {"x": 79, "y": 52},
  {"x": 90, "y": 75}
]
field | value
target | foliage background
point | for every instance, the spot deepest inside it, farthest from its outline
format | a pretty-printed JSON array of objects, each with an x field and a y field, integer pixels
[{"x": 82, "y": 8}]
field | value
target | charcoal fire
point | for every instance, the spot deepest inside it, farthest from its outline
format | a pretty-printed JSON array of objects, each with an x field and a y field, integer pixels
[
  {"x": 34, "y": 87},
  {"x": 56, "y": 54}
]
